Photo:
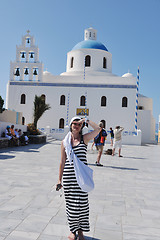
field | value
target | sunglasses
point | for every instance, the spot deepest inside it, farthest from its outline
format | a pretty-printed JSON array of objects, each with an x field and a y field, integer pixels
[{"x": 76, "y": 124}]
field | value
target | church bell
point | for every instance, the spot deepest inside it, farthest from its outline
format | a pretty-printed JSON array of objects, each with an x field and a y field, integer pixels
[
  {"x": 23, "y": 56},
  {"x": 17, "y": 72},
  {"x": 31, "y": 55},
  {"x": 35, "y": 72},
  {"x": 26, "y": 71}
]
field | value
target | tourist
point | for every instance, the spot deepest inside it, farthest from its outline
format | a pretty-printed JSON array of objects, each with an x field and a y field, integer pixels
[
  {"x": 77, "y": 206},
  {"x": 99, "y": 143},
  {"x": 15, "y": 139},
  {"x": 112, "y": 135},
  {"x": 23, "y": 137},
  {"x": 8, "y": 133},
  {"x": 117, "y": 140}
]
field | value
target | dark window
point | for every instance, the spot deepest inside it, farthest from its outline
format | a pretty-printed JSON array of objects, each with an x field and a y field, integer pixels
[
  {"x": 90, "y": 34},
  {"x": 104, "y": 62},
  {"x": 87, "y": 61},
  {"x": 61, "y": 123},
  {"x": 43, "y": 97},
  {"x": 82, "y": 101},
  {"x": 62, "y": 100},
  {"x": 72, "y": 62},
  {"x": 23, "y": 99},
  {"x": 104, "y": 123},
  {"x": 23, "y": 120},
  {"x": 140, "y": 107},
  {"x": 103, "y": 101},
  {"x": 124, "y": 102}
]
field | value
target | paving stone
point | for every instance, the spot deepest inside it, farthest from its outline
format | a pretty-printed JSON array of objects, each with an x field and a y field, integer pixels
[
  {"x": 127, "y": 236},
  {"x": 19, "y": 235},
  {"x": 123, "y": 206}
]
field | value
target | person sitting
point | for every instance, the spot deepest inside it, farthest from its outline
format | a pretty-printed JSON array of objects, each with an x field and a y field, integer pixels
[
  {"x": 17, "y": 135},
  {"x": 26, "y": 138},
  {"x": 15, "y": 139},
  {"x": 8, "y": 135},
  {"x": 23, "y": 138}
]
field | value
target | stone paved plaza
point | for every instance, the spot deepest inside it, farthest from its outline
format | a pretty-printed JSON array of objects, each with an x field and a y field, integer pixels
[{"x": 125, "y": 204}]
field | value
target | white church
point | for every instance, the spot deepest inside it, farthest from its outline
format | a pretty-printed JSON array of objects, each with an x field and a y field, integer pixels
[{"x": 88, "y": 86}]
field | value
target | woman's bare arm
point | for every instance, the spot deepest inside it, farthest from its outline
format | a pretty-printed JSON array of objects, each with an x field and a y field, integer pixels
[{"x": 89, "y": 136}]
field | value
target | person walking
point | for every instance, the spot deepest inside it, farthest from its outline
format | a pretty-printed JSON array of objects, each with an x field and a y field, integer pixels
[
  {"x": 99, "y": 143},
  {"x": 77, "y": 206},
  {"x": 117, "y": 140},
  {"x": 112, "y": 135}
]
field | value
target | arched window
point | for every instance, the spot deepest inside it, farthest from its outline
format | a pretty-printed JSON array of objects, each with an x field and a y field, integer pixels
[
  {"x": 124, "y": 102},
  {"x": 23, "y": 99},
  {"x": 82, "y": 101},
  {"x": 61, "y": 123},
  {"x": 23, "y": 120},
  {"x": 104, "y": 123},
  {"x": 72, "y": 62},
  {"x": 43, "y": 97},
  {"x": 87, "y": 61},
  {"x": 103, "y": 101},
  {"x": 104, "y": 62},
  {"x": 62, "y": 100}
]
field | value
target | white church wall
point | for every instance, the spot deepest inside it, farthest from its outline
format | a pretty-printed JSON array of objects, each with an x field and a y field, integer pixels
[
  {"x": 146, "y": 102},
  {"x": 147, "y": 125},
  {"x": 114, "y": 114}
]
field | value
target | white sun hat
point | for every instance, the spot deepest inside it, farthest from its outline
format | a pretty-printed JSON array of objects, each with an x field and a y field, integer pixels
[{"x": 74, "y": 118}]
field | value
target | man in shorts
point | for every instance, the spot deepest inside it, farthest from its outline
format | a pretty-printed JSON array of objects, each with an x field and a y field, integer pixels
[
  {"x": 117, "y": 140},
  {"x": 99, "y": 143}
]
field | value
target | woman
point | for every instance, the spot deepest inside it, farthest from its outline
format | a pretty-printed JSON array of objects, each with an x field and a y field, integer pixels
[
  {"x": 77, "y": 207},
  {"x": 112, "y": 135}
]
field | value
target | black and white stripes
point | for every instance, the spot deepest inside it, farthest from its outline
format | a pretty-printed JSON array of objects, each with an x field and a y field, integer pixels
[{"x": 77, "y": 206}]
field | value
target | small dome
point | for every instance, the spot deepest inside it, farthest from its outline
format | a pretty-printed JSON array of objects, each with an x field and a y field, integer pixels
[
  {"x": 128, "y": 75},
  {"x": 90, "y": 44},
  {"x": 46, "y": 72}
]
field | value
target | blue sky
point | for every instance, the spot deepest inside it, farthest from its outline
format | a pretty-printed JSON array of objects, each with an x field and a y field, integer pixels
[{"x": 129, "y": 29}]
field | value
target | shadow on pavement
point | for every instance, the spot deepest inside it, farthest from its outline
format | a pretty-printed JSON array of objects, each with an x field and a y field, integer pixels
[
  {"x": 91, "y": 238},
  {"x": 134, "y": 157},
  {"x": 121, "y": 168},
  {"x": 27, "y": 148},
  {"x": 4, "y": 157}
]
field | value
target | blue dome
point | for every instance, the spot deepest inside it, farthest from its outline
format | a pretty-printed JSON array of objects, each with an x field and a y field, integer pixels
[{"x": 90, "y": 44}]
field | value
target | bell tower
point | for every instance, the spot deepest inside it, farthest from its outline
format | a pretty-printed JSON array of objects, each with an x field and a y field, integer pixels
[
  {"x": 27, "y": 66},
  {"x": 90, "y": 34}
]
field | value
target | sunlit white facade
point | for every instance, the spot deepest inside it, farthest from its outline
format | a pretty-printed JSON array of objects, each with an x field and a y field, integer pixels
[{"x": 89, "y": 77}]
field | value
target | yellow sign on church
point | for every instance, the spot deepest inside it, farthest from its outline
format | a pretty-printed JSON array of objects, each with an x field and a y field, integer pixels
[{"x": 81, "y": 111}]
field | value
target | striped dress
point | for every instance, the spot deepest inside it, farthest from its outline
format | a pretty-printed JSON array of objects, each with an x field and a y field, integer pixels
[{"x": 77, "y": 206}]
